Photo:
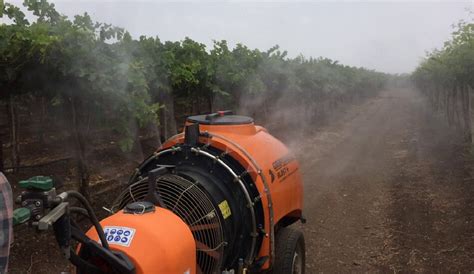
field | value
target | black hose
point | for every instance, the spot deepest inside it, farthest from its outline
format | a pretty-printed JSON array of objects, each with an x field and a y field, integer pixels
[
  {"x": 79, "y": 210},
  {"x": 92, "y": 216},
  {"x": 83, "y": 265}
]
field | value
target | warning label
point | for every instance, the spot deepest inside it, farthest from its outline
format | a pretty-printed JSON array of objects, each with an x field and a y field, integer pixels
[{"x": 225, "y": 209}]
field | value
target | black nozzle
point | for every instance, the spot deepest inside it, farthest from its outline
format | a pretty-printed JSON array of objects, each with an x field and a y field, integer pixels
[
  {"x": 191, "y": 134},
  {"x": 152, "y": 195}
]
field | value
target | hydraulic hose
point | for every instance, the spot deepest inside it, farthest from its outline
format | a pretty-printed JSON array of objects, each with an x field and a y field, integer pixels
[
  {"x": 92, "y": 216},
  {"x": 79, "y": 210}
]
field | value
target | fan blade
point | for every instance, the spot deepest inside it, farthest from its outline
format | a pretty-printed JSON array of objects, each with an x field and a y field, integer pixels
[
  {"x": 206, "y": 249},
  {"x": 204, "y": 227}
]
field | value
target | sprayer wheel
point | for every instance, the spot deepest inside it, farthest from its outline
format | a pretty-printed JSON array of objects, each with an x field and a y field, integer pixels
[{"x": 289, "y": 252}]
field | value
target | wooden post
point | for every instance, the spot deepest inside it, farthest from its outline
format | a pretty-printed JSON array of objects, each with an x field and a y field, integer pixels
[
  {"x": 458, "y": 98},
  {"x": 438, "y": 92},
  {"x": 449, "y": 107},
  {"x": 468, "y": 118},
  {"x": 13, "y": 115},
  {"x": 79, "y": 149},
  {"x": 43, "y": 115},
  {"x": 466, "y": 111},
  {"x": 169, "y": 120}
]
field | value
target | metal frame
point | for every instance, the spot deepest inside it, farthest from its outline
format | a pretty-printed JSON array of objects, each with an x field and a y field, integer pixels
[
  {"x": 147, "y": 161},
  {"x": 54, "y": 215},
  {"x": 265, "y": 185},
  {"x": 250, "y": 204}
]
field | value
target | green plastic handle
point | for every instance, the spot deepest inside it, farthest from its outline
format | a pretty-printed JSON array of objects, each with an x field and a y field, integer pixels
[
  {"x": 21, "y": 215},
  {"x": 44, "y": 183}
]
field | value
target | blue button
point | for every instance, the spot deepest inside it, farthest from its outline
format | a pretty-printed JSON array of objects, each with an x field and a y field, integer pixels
[
  {"x": 124, "y": 239},
  {"x": 119, "y": 232},
  {"x": 117, "y": 239},
  {"x": 110, "y": 238},
  {"x": 113, "y": 231},
  {"x": 126, "y": 233}
]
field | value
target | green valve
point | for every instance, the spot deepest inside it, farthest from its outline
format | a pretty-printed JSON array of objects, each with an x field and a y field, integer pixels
[
  {"x": 38, "y": 182},
  {"x": 21, "y": 215}
]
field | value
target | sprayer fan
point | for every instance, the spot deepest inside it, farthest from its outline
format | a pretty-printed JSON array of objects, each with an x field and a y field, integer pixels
[{"x": 192, "y": 204}]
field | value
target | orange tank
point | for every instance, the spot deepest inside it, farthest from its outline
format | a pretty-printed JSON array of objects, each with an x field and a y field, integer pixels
[
  {"x": 273, "y": 168},
  {"x": 156, "y": 241},
  {"x": 232, "y": 183}
]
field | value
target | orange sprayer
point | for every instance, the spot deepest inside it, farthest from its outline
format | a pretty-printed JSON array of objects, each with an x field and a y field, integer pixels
[{"x": 232, "y": 183}]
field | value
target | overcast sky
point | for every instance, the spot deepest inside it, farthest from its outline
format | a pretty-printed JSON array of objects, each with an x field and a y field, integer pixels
[{"x": 386, "y": 36}]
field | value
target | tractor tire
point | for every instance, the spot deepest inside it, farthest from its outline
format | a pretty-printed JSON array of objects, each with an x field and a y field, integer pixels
[{"x": 289, "y": 252}]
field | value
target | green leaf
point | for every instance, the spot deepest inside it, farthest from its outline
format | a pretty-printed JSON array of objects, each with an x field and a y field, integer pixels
[{"x": 126, "y": 144}]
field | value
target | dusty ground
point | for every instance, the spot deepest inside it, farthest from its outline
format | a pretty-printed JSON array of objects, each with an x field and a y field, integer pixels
[{"x": 386, "y": 191}]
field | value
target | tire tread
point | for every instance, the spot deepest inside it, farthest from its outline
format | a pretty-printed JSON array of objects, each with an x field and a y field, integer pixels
[{"x": 286, "y": 242}]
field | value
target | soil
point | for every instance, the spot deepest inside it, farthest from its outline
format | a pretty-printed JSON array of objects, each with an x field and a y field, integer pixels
[{"x": 387, "y": 189}]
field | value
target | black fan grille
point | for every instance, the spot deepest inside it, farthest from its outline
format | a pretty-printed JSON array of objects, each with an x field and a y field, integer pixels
[{"x": 187, "y": 200}]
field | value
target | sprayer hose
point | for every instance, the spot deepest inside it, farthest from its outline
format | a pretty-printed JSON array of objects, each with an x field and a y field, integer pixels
[{"x": 92, "y": 216}]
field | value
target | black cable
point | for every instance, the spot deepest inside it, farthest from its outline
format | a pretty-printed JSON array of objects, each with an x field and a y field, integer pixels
[
  {"x": 83, "y": 265},
  {"x": 79, "y": 210},
  {"x": 92, "y": 216}
]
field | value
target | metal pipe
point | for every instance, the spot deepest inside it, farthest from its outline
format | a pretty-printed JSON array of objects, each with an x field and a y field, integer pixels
[{"x": 149, "y": 159}]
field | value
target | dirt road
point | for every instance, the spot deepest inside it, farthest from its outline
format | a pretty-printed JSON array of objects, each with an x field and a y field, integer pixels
[{"x": 386, "y": 190}]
